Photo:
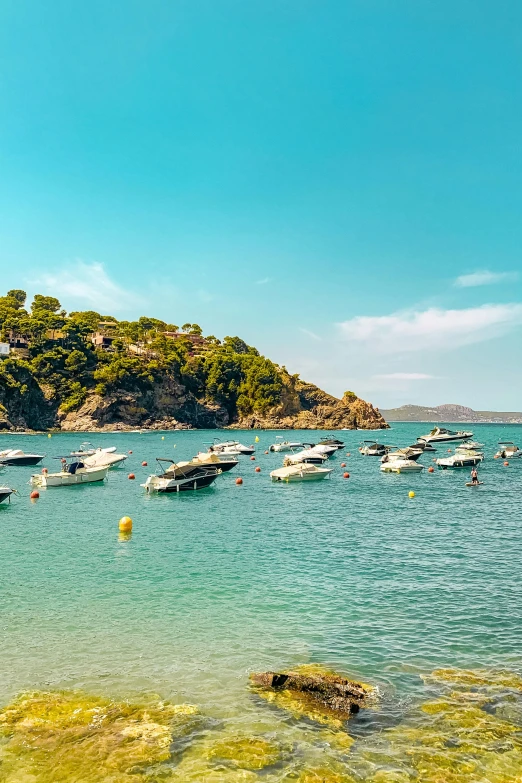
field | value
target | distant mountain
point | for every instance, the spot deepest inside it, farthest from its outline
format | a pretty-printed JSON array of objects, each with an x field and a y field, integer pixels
[{"x": 449, "y": 413}]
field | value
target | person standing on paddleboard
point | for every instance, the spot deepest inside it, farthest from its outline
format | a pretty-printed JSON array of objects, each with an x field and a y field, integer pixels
[{"x": 474, "y": 476}]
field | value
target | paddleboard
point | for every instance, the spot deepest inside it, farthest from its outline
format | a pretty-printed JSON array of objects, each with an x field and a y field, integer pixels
[{"x": 474, "y": 484}]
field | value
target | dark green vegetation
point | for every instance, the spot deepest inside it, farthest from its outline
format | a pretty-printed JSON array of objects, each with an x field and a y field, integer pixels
[{"x": 58, "y": 365}]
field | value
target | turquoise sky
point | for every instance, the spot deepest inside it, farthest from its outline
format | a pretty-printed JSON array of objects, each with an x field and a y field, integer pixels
[{"x": 337, "y": 182}]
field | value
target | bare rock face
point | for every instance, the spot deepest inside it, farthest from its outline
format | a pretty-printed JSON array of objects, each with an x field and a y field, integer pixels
[
  {"x": 324, "y": 691},
  {"x": 305, "y": 406}
]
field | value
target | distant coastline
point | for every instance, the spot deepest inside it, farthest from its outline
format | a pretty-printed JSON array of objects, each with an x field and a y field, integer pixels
[{"x": 450, "y": 414}]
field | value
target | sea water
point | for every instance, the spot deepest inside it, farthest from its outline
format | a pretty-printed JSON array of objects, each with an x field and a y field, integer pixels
[{"x": 352, "y": 574}]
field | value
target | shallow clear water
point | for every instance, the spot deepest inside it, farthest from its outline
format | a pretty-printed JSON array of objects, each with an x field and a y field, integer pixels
[{"x": 214, "y": 584}]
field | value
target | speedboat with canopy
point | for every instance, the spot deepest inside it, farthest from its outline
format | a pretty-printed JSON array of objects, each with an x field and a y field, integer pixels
[
  {"x": 73, "y": 472},
  {"x": 300, "y": 472},
  {"x": 209, "y": 459},
  {"x": 507, "y": 450},
  {"x": 102, "y": 457},
  {"x": 409, "y": 453},
  {"x": 442, "y": 435},
  {"x": 14, "y": 457},
  {"x": 338, "y": 444},
  {"x": 179, "y": 478}
]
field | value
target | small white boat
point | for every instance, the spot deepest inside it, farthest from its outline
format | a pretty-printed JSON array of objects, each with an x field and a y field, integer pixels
[
  {"x": 285, "y": 445},
  {"x": 461, "y": 459},
  {"x": 307, "y": 456},
  {"x": 401, "y": 465},
  {"x": 231, "y": 447},
  {"x": 370, "y": 448},
  {"x": 442, "y": 435},
  {"x": 300, "y": 472},
  {"x": 16, "y": 457},
  {"x": 5, "y": 494},
  {"x": 104, "y": 457},
  {"x": 508, "y": 450},
  {"x": 469, "y": 445},
  {"x": 72, "y": 474},
  {"x": 210, "y": 459},
  {"x": 322, "y": 448}
]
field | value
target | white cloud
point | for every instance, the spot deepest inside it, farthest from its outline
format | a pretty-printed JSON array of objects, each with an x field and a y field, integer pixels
[
  {"x": 406, "y": 376},
  {"x": 432, "y": 329},
  {"x": 87, "y": 285},
  {"x": 264, "y": 281},
  {"x": 313, "y": 335},
  {"x": 484, "y": 278}
]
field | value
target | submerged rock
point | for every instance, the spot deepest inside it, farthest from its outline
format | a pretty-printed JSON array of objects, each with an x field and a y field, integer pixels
[
  {"x": 313, "y": 691},
  {"x": 245, "y": 752},
  {"x": 59, "y": 737}
]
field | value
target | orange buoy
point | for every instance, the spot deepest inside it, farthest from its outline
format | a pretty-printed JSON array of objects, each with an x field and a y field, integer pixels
[
  {"x": 131, "y": 476},
  {"x": 343, "y": 464},
  {"x": 258, "y": 469},
  {"x": 266, "y": 452},
  {"x": 506, "y": 463},
  {"x": 346, "y": 475},
  {"x": 496, "y": 456},
  {"x": 347, "y": 453},
  {"x": 239, "y": 480},
  {"x": 449, "y": 451},
  {"x": 34, "y": 495},
  {"x": 143, "y": 464},
  {"x": 431, "y": 469},
  {"x": 253, "y": 459},
  {"x": 130, "y": 452},
  {"x": 125, "y": 525}
]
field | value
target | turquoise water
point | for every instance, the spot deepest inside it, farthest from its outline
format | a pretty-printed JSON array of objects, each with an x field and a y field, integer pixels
[{"x": 214, "y": 584}]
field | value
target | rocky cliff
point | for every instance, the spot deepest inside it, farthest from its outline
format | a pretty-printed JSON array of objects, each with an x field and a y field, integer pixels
[{"x": 169, "y": 405}]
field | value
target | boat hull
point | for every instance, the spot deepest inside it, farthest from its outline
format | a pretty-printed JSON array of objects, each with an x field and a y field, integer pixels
[
  {"x": 26, "y": 459},
  {"x": 5, "y": 493},
  {"x": 166, "y": 485},
  {"x": 63, "y": 479}
]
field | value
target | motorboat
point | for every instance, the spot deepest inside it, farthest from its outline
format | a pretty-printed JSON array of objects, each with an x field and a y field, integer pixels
[
  {"x": 461, "y": 459},
  {"x": 422, "y": 445},
  {"x": 409, "y": 453},
  {"x": 300, "y": 472},
  {"x": 285, "y": 445},
  {"x": 442, "y": 435},
  {"x": 332, "y": 442},
  {"x": 507, "y": 450},
  {"x": 5, "y": 493},
  {"x": 370, "y": 448},
  {"x": 14, "y": 457},
  {"x": 207, "y": 459},
  {"x": 73, "y": 472},
  {"x": 469, "y": 445},
  {"x": 178, "y": 477},
  {"x": 322, "y": 448},
  {"x": 401, "y": 465},
  {"x": 231, "y": 447},
  {"x": 306, "y": 456},
  {"x": 85, "y": 450},
  {"x": 102, "y": 457}
]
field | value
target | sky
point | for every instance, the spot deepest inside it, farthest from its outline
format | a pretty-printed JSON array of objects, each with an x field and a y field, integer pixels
[{"x": 339, "y": 182}]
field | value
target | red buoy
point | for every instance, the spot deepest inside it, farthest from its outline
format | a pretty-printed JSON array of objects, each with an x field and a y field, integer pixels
[
  {"x": 431, "y": 469},
  {"x": 347, "y": 453},
  {"x": 258, "y": 469},
  {"x": 239, "y": 480},
  {"x": 252, "y": 458},
  {"x": 34, "y": 495},
  {"x": 449, "y": 451},
  {"x": 132, "y": 476},
  {"x": 343, "y": 464},
  {"x": 130, "y": 452},
  {"x": 506, "y": 463},
  {"x": 44, "y": 470},
  {"x": 143, "y": 464},
  {"x": 346, "y": 475},
  {"x": 266, "y": 452}
]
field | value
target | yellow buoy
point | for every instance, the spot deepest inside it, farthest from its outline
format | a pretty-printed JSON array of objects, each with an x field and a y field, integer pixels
[
  {"x": 411, "y": 494},
  {"x": 125, "y": 525},
  {"x": 257, "y": 439},
  {"x": 163, "y": 437},
  {"x": 49, "y": 435}
]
